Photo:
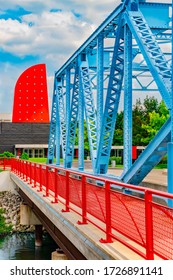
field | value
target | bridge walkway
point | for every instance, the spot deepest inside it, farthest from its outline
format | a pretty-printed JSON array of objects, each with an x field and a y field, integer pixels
[
  {"x": 85, "y": 237},
  {"x": 120, "y": 221}
]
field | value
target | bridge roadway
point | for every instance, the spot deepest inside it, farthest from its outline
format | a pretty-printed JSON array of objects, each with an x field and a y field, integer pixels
[
  {"x": 69, "y": 235},
  {"x": 76, "y": 240}
]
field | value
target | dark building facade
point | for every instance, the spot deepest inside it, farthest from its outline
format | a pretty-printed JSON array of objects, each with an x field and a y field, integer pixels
[{"x": 28, "y": 137}]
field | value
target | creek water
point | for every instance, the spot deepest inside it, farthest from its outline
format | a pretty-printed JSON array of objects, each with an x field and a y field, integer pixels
[{"x": 21, "y": 246}]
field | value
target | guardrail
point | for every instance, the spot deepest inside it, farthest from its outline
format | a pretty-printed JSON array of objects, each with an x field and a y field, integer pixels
[
  {"x": 137, "y": 217},
  {"x": 5, "y": 163}
]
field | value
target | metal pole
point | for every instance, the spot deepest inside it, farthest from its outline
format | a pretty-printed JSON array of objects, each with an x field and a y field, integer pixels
[
  {"x": 81, "y": 126},
  {"x": 58, "y": 133},
  {"x": 170, "y": 145},
  {"x": 100, "y": 71},
  {"x": 127, "y": 98}
]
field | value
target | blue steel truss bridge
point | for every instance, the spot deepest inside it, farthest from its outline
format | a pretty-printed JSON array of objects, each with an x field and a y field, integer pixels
[{"x": 131, "y": 51}]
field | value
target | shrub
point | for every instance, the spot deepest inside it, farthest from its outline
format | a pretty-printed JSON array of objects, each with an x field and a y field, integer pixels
[
  {"x": 24, "y": 156},
  {"x": 118, "y": 160},
  {"x": 7, "y": 154}
]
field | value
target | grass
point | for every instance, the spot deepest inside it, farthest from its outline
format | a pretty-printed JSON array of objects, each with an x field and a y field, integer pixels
[
  {"x": 161, "y": 166},
  {"x": 44, "y": 160},
  {"x": 3, "y": 227},
  {"x": 38, "y": 160}
]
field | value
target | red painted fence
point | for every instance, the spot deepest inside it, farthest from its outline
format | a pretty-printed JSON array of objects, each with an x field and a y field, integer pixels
[{"x": 124, "y": 212}]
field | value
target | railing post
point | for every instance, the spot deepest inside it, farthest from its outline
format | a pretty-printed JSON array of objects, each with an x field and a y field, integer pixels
[
  {"x": 22, "y": 169},
  {"x": 84, "y": 211},
  {"x": 149, "y": 226},
  {"x": 56, "y": 187},
  {"x": 67, "y": 208},
  {"x": 30, "y": 171},
  {"x": 27, "y": 177},
  {"x": 40, "y": 190},
  {"x": 47, "y": 182},
  {"x": 4, "y": 163},
  {"x": 34, "y": 185},
  {"x": 108, "y": 215},
  {"x": 17, "y": 167},
  {"x": 25, "y": 171},
  {"x": 11, "y": 164}
]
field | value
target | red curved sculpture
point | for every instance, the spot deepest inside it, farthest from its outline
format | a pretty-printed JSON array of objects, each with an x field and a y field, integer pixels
[{"x": 31, "y": 96}]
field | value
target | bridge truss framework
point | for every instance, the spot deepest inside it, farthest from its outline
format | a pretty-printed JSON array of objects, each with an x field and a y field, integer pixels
[{"x": 130, "y": 51}]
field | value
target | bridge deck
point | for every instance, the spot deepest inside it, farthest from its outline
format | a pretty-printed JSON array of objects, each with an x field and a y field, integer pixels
[
  {"x": 84, "y": 237},
  {"x": 116, "y": 213}
]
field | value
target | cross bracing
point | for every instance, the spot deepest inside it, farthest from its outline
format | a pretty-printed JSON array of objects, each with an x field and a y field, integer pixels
[{"x": 129, "y": 52}]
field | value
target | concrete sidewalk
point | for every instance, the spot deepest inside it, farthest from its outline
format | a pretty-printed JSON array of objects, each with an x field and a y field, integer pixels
[{"x": 156, "y": 179}]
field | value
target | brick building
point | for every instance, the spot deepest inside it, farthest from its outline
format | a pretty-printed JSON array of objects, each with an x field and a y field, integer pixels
[
  {"x": 27, "y": 129},
  {"x": 28, "y": 137}
]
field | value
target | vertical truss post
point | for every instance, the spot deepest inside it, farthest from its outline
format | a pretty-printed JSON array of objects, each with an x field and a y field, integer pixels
[
  {"x": 170, "y": 145},
  {"x": 81, "y": 127},
  {"x": 112, "y": 103},
  {"x": 67, "y": 98},
  {"x": 52, "y": 133},
  {"x": 89, "y": 106},
  {"x": 58, "y": 134},
  {"x": 100, "y": 76},
  {"x": 62, "y": 115},
  {"x": 71, "y": 131},
  {"x": 127, "y": 98}
]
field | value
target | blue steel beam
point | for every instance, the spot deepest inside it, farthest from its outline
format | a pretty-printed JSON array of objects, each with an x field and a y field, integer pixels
[
  {"x": 101, "y": 137},
  {"x": 58, "y": 134},
  {"x": 81, "y": 126},
  {"x": 111, "y": 104},
  {"x": 170, "y": 145},
  {"x": 68, "y": 88},
  {"x": 71, "y": 131},
  {"x": 100, "y": 84},
  {"x": 152, "y": 53},
  {"x": 127, "y": 159},
  {"x": 52, "y": 132},
  {"x": 151, "y": 156},
  {"x": 161, "y": 72},
  {"x": 90, "y": 112},
  {"x": 62, "y": 115},
  {"x": 105, "y": 27}
]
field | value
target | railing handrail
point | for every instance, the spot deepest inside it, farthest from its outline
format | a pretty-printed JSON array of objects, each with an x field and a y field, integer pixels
[{"x": 143, "y": 227}]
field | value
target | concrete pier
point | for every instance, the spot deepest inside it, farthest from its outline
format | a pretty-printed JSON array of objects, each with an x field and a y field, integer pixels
[
  {"x": 58, "y": 255},
  {"x": 38, "y": 235}
]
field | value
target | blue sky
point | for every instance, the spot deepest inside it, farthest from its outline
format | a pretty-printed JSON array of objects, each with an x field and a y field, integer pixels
[{"x": 47, "y": 32}]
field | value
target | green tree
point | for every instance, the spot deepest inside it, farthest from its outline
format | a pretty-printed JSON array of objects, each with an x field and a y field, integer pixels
[
  {"x": 138, "y": 115},
  {"x": 118, "y": 133},
  {"x": 150, "y": 104},
  {"x": 156, "y": 120}
]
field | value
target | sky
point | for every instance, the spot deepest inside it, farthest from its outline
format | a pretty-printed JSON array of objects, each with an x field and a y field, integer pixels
[{"x": 48, "y": 31}]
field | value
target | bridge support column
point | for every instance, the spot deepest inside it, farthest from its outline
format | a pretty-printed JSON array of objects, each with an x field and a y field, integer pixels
[
  {"x": 27, "y": 217},
  {"x": 170, "y": 173},
  {"x": 38, "y": 235},
  {"x": 58, "y": 255}
]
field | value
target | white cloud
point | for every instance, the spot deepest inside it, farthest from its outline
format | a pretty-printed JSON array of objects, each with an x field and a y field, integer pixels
[
  {"x": 49, "y": 33},
  {"x": 52, "y": 36}
]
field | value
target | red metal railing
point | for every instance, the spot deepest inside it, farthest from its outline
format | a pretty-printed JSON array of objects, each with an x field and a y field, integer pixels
[
  {"x": 5, "y": 163},
  {"x": 141, "y": 220}
]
